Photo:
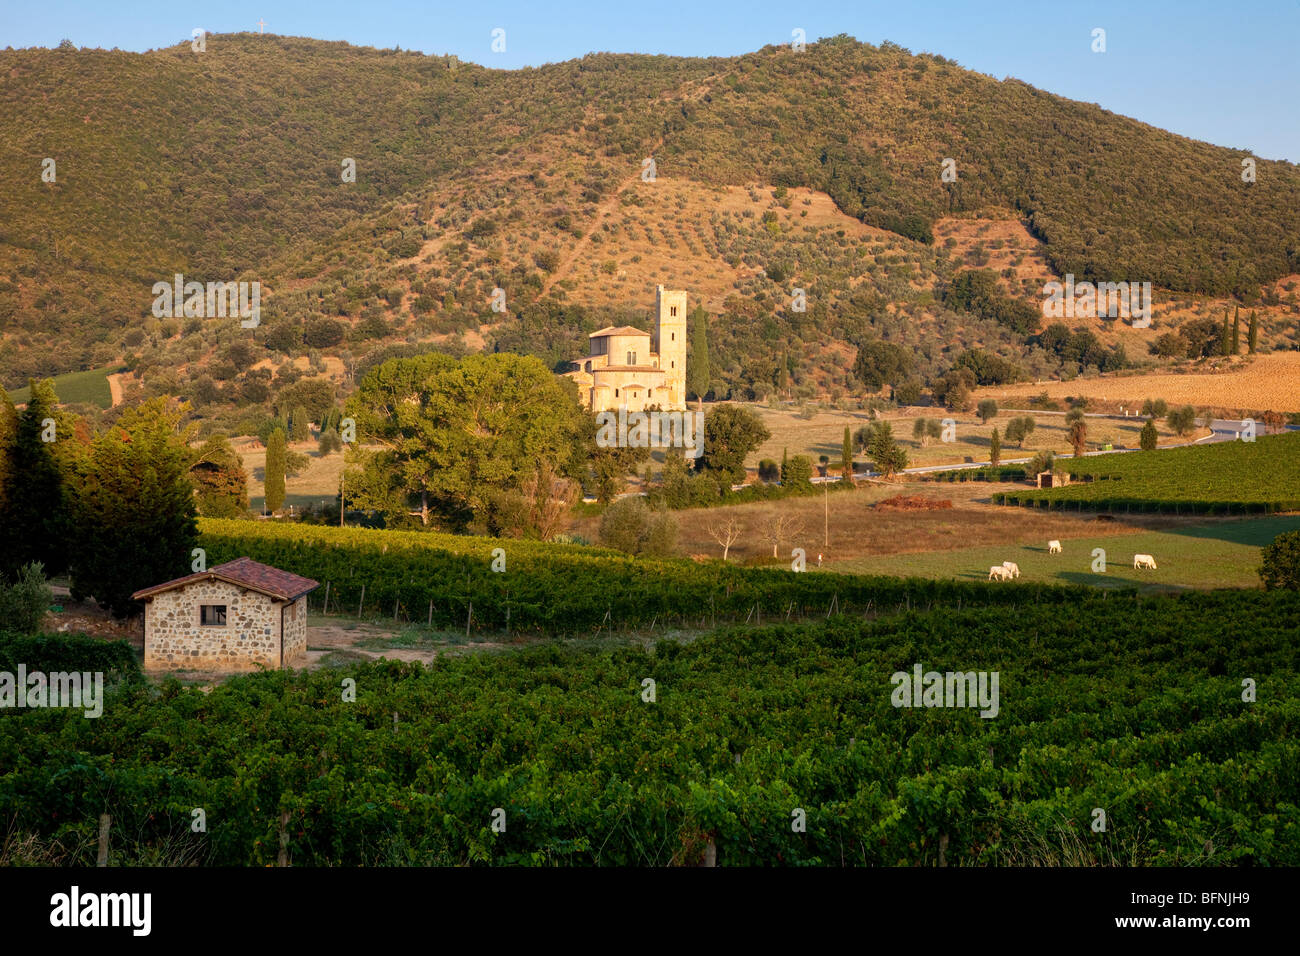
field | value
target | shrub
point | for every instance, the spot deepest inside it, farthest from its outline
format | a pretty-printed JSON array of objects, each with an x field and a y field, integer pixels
[
  {"x": 24, "y": 602},
  {"x": 768, "y": 470},
  {"x": 1281, "y": 567}
]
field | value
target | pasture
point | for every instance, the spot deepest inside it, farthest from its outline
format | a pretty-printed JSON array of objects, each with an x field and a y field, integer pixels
[
  {"x": 1221, "y": 554},
  {"x": 75, "y": 388}
]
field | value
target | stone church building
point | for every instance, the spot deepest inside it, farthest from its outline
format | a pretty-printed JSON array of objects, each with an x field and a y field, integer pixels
[
  {"x": 236, "y": 616},
  {"x": 631, "y": 369}
]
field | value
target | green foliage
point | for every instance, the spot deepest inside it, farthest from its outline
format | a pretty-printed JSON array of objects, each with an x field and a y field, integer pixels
[
  {"x": 23, "y": 602},
  {"x": 977, "y": 291},
  {"x": 1076, "y": 427},
  {"x": 769, "y": 471},
  {"x": 796, "y": 474},
  {"x": 330, "y": 442},
  {"x": 1252, "y": 337},
  {"x": 221, "y": 484},
  {"x": 1149, "y": 437},
  {"x": 1144, "y": 720},
  {"x": 731, "y": 432},
  {"x": 134, "y": 508},
  {"x": 953, "y": 390},
  {"x": 995, "y": 449},
  {"x": 1182, "y": 420},
  {"x": 454, "y": 435},
  {"x": 846, "y": 455},
  {"x": 697, "y": 363},
  {"x": 275, "y": 472},
  {"x": 299, "y": 425},
  {"x": 1281, "y": 564},
  {"x": 1259, "y": 477},
  {"x": 33, "y": 523},
  {"x": 881, "y": 363},
  {"x": 631, "y": 526},
  {"x": 1020, "y": 428},
  {"x": 987, "y": 409},
  {"x": 885, "y": 453},
  {"x": 1157, "y": 408},
  {"x": 67, "y": 652}
]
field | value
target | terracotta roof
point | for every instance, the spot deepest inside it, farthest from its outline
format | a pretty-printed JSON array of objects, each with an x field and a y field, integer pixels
[
  {"x": 618, "y": 330},
  {"x": 246, "y": 573}
]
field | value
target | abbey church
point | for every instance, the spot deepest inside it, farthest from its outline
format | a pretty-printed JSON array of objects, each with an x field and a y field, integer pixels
[{"x": 631, "y": 369}]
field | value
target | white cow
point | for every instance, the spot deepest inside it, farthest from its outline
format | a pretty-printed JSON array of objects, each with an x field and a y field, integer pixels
[
  {"x": 1144, "y": 561},
  {"x": 999, "y": 573},
  {"x": 1013, "y": 569},
  {"x": 1053, "y": 547}
]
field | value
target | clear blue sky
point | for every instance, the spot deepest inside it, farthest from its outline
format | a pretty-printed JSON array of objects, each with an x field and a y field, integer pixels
[{"x": 1225, "y": 71}]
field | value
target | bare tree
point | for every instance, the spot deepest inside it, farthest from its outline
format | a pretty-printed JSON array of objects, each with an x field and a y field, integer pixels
[
  {"x": 780, "y": 528},
  {"x": 726, "y": 534},
  {"x": 550, "y": 497}
]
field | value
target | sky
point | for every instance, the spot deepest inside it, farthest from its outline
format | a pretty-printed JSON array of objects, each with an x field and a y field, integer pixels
[{"x": 1224, "y": 72}]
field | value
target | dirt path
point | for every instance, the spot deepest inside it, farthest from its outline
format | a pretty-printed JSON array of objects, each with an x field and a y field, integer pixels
[
  {"x": 115, "y": 388},
  {"x": 602, "y": 212}
]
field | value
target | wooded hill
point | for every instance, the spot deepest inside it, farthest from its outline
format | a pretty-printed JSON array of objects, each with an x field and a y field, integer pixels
[{"x": 225, "y": 165}]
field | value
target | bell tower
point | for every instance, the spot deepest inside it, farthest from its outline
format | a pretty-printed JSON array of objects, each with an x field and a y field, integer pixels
[{"x": 670, "y": 343}]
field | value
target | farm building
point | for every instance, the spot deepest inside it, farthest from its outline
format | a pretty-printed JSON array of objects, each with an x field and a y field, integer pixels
[
  {"x": 1048, "y": 479},
  {"x": 237, "y": 616}
]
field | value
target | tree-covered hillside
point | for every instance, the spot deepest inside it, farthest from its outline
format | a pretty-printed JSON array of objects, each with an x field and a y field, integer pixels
[{"x": 227, "y": 164}]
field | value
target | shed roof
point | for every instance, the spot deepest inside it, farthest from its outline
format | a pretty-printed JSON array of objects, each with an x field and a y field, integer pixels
[{"x": 243, "y": 572}]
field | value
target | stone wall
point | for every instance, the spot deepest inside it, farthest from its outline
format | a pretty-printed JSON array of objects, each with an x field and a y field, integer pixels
[
  {"x": 295, "y": 633},
  {"x": 175, "y": 640}
]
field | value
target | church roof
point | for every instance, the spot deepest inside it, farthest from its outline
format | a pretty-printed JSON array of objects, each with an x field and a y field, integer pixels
[{"x": 618, "y": 330}]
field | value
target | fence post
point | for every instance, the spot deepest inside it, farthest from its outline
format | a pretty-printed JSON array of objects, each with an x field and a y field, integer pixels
[
  {"x": 363, "y": 602},
  {"x": 327, "y": 598},
  {"x": 105, "y": 821},
  {"x": 282, "y": 859}
]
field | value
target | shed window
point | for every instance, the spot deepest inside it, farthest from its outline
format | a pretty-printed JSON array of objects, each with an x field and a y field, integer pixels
[{"x": 212, "y": 614}]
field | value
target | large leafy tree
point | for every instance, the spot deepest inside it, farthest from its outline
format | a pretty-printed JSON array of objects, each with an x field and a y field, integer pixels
[
  {"x": 134, "y": 507},
  {"x": 442, "y": 439},
  {"x": 221, "y": 484},
  {"x": 731, "y": 432},
  {"x": 881, "y": 363}
]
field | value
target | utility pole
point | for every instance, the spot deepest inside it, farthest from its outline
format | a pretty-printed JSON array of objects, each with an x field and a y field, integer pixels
[
  {"x": 341, "y": 508},
  {"x": 826, "y": 517}
]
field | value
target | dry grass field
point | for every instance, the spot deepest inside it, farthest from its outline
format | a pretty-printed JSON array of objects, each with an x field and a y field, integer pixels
[
  {"x": 1266, "y": 381},
  {"x": 823, "y": 434},
  {"x": 319, "y": 482}
]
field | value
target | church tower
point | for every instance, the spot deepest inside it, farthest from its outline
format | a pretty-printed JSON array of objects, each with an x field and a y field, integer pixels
[{"x": 670, "y": 335}]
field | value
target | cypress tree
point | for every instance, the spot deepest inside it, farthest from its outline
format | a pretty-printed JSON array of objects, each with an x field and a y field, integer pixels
[
  {"x": 697, "y": 363},
  {"x": 274, "y": 474},
  {"x": 1236, "y": 331},
  {"x": 1252, "y": 337},
  {"x": 995, "y": 449},
  {"x": 846, "y": 455},
  {"x": 1148, "y": 438},
  {"x": 298, "y": 425},
  {"x": 34, "y": 516},
  {"x": 1225, "y": 336}
]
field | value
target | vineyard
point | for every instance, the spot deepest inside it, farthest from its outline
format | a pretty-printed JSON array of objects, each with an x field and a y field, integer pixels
[
  {"x": 1129, "y": 705},
  {"x": 1259, "y": 477},
  {"x": 447, "y": 580}
]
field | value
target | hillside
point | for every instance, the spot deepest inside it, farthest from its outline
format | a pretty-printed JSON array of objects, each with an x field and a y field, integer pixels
[{"x": 774, "y": 170}]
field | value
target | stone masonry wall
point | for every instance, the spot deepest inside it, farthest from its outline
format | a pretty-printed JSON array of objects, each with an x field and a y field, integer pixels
[
  {"x": 295, "y": 633},
  {"x": 175, "y": 640}
]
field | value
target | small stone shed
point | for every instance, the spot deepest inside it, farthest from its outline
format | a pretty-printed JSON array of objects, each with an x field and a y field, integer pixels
[
  {"x": 237, "y": 616},
  {"x": 1047, "y": 479}
]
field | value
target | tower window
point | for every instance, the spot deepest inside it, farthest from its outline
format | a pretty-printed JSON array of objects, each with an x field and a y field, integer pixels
[
  {"x": 672, "y": 310},
  {"x": 616, "y": 393},
  {"x": 631, "y": 358},
  {"x": 672, "y": 336}
]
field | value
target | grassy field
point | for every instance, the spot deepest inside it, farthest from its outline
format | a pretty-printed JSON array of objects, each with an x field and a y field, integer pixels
[
  {"x": 75, "y": 388},
  {"x": 319, "y": 483},
  {"x": 1212, "y": 555}
]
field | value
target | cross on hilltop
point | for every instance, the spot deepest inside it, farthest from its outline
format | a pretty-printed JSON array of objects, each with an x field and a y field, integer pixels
[{"x": 261, "y": 26}]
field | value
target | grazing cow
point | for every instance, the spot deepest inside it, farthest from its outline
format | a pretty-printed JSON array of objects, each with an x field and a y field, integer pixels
[
  {"x": 1013, "y": 569},
  {"x": 1053, "y": 547},
  {"x": 1144, "y": 561},
  {"x": 999, "y": 573}
]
